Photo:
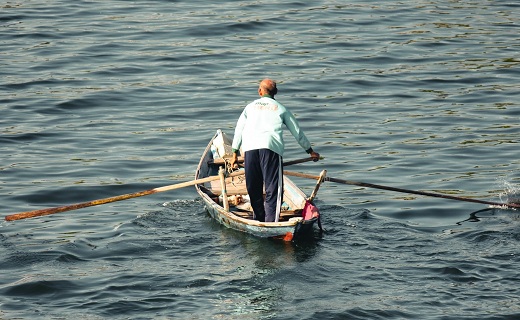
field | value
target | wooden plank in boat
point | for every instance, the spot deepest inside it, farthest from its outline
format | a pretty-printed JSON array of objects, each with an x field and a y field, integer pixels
[
  {"x": 234, "y": 185},
  {"x": 221, "y": 162},
  {"x": 284, "y": 215}
]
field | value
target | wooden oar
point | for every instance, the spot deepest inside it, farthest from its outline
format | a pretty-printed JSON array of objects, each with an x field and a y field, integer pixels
[
  {"x": 44, "y": 212},
  {"x": 288, "y": 163},
  {"x": 370, "y": 185}
]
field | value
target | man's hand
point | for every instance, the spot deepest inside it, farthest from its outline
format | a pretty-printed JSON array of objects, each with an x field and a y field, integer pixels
[
  {"x": 315, "y": 156},
  {"x": 234, "y": 161}
]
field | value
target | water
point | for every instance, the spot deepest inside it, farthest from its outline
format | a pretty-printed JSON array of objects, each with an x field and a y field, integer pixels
[{"x": 102, "y": 98}]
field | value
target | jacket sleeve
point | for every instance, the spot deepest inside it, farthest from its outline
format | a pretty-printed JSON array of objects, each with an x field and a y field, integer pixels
[
  {"x": 294, "y": 127},
  {"x": 237, "y": 137}
]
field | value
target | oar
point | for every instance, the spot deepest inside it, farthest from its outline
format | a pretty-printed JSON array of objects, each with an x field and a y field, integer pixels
[
  {"x": 44, "y": 212},
  {"x": 370, "y": 185},
  {"x": 288, "y": 163}
]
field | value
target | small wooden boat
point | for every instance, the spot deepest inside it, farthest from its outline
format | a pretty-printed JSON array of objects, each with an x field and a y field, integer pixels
[{"x": 226, "y": 198}]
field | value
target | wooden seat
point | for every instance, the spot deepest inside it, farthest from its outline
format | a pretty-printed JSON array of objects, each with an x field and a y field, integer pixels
[
  {"x": 234, "y": 186},
  {"x": 221, "y": 161},
  {"x": 284, "y": 215}
]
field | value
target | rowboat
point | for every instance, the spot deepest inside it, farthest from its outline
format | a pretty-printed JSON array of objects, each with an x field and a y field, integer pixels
[{"x": 226, "y": 198}]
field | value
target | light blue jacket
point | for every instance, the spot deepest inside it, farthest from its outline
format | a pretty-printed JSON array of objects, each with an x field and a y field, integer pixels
[{"x": 260, "y": 127}]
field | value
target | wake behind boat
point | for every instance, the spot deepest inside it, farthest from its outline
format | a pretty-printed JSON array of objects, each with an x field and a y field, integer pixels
[{"x": 226, "y": 199}]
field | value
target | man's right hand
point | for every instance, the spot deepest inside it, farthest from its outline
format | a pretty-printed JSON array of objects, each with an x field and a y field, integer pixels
[{"x": 234, "y": 161}]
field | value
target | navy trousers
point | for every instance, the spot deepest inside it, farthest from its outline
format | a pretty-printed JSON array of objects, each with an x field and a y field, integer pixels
[{"x": 264, "y": 169}]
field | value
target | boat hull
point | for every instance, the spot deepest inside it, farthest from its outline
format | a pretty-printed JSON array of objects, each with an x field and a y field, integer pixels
[{"x": 287, "y": 231}]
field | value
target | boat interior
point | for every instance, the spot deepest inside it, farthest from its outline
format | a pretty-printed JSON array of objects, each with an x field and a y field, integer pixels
[
  {"x": 231, "y": 193},
  {"x": 238, "y": 200}
]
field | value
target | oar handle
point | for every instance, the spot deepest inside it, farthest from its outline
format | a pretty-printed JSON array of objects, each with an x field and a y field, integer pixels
[{"x": 288, "y": 163}]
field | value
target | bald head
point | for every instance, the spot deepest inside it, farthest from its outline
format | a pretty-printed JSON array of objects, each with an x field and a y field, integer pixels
[{"x": 267, "y": 87}]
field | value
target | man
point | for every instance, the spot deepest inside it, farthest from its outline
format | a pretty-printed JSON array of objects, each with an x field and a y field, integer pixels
[{"x": 259, "y": 132}]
